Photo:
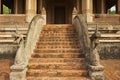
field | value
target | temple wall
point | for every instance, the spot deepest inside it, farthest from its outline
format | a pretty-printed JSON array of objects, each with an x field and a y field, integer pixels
[
  {"x": 8, "y": 46},
  {"x": 13, "y": 18},
  {"x": 106, "y": 18},
  {"x": 109, "y": 50},
  {"x": 8, "y": 51}
]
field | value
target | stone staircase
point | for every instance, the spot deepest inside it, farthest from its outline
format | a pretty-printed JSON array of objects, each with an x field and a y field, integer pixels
[{"x": 57, "y": 55}]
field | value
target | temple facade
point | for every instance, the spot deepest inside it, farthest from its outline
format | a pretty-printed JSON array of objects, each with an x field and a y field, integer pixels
[
  {"x": 59, "y": 38},
  {"x": 59, "y": 11}
]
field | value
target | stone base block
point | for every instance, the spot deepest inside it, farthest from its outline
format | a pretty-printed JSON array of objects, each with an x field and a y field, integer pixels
[
  {"x": 97, "y": 75},
  {"x": 18, "y": 75}
]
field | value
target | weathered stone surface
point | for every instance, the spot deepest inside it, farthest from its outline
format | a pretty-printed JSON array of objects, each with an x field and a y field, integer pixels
[
  {"x": 58, "y": 78},
  {"x": 89, "y": 48},
  {"x": 97, "y": 75},
  {"x": 112, "y": 69},
  {"x": 8, "y": 51},
  {"x": 58, "y": 54},
  {"x": 60, "y": 66},
  {"x": 56, "y": 59},
  {"x": 109, "y": 50},
  {"x": 18, "y": 70},
  {"x": 5, "y": 68}
]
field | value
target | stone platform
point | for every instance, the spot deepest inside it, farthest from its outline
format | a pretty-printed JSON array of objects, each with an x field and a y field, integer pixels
[{"x": 112, "y": 69}]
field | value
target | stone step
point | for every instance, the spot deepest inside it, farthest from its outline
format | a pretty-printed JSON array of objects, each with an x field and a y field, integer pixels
[
  {"x": 58, "y": 66},
  {"x": 57, "y": 51},
  {"x": 57, "y": 78},
  {"x": 59, "y": 38},
  {"x": 50, "y": 35},
  {"x": 14, "y": 25},
  {"x": 57, "y": 73},
  {"x": 58, "y": 25},
  {"x": 57, "y": 55},
  {"x": 67, "y": 40},
  {"x": 60, "y": 34},
  {"x": 58, "y": 43},
  {"x": 57, "y": 47},
  {"x": 60, "y": 28},
  {"x": 13, "y": 32},
  {"x": 7, "y": 29},
  {"x": 54, "y": 27},
  {"x": 58, "y": 31},
  {"x": 58, "y": 60}
]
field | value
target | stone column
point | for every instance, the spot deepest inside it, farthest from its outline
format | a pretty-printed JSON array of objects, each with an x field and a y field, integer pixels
[
  {"x": 41, "y": 5},
  {"x": 87, "y": 9},
  {"x": 102, "y": 6},
  {"x": 118, "y": 6},
  {"x": 16, "y": 6},
  {"x": 30, "y": 9},
  {"x": 78, "y": 6},
  {"x": 0, "y": 7}
]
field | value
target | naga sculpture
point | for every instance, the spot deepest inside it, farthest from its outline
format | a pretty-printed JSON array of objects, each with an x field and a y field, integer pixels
[
  {"x": 95, "y": 69},
  {"x": 94, "y": 43}
]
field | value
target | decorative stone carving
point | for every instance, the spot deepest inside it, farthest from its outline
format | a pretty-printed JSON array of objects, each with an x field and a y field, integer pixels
[
  {"x": 19, "y": 67},
  {"x": 18, "y": 70},
  {"x": 94, "y": 55},
  {"x": 95, "y": 69},
  {"x": 18, "y": 37},
  {"x": 90, "y": 48}
]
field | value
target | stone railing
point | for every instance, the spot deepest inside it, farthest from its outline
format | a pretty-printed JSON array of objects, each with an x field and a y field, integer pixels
[
  {"x": 18, "y": 70},
  {"x": 89, "y": 48}
]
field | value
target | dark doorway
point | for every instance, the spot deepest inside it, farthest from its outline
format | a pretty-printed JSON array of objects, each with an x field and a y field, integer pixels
[{"x": 59, "y": 15}]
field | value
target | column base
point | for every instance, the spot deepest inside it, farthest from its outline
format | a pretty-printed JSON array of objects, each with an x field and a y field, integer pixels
[
  {"x": 18, "y": 73},
  {"x": 89, "y": 17},
  {"x": 97, "y": 75},
  {"x": 29, "y": 17},
  {"x": 96, "y": 72}
]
